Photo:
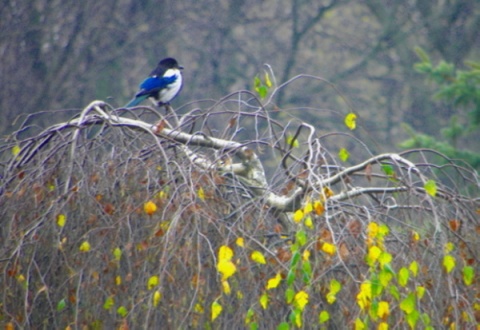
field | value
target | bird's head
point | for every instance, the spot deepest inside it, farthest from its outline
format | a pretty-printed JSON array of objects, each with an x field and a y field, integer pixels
[{"x": 170, "y": 63}]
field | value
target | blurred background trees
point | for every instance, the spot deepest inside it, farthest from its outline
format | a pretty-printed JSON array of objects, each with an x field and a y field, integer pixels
[{"x": 59, "y": 55}]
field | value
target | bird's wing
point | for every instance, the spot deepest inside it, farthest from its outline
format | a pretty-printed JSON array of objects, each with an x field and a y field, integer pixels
[{"x": 155, "y": 84}]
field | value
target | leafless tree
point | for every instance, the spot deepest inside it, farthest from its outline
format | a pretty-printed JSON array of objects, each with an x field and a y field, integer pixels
[{"x": 82, "y": 243}]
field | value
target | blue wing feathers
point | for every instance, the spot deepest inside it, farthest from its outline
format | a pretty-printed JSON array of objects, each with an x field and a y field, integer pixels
[{"x": 154, "y": 84}]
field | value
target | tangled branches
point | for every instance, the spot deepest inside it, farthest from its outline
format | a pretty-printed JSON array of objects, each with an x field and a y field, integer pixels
[{"x": 117, "y": 216}]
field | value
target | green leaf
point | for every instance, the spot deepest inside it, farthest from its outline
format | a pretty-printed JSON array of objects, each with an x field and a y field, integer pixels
[
  {"x": 109, "y": 302},
  {"x": 412, "y": 319},
  {"x": 421, "y": 54},
  {"x": 335, "y": 286},
  {"x": 262, "y": 91},
  {"x": 250, "y": 315},
  {"x": 408, "y": 304},
  {"x": 394, "y": 292},
  {"x": 289, "y": 294},
  {"x": 388, "y": 170},
  {"x": 307, "y": 268},
  {"x": 301, "y": 237},
  {"x": 257, "y": 83},
  {"x": 413, "y": 268},
  {"x": 468, "y": 275},
  {"x": 122, "y": 311},
  {"x": 384, "y": 276},
  {"x": 343, "y": 154},
  {"x": 291, "y": 277},
  {"x": 431, "y": 187},
  {"x": 426, "y": 319},
  {"x": 117, "y": 253},
  {"x": 420, "y": 291},
  {"x": 283, "y": 326},
  {"x": 292, "y": 142},
  {"x": 323, "y": 317},
  {"x": 253, "y": 326},
  {"x": 264, "y": 300},
  {"x": 384, "y": 258},
  {"x": 61, "y": 305},
  {"x": 448, "y": 263},
  {"x": 295, "y": 258},
  {"x": 377, "y": 287},
  {"x": 403, "y": 276}
]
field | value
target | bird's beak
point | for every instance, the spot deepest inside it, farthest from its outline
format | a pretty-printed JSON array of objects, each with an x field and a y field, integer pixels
[{"x": 180, "y": 67}]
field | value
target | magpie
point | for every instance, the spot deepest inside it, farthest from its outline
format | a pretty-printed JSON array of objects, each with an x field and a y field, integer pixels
[{"x": 162, "y": 85}]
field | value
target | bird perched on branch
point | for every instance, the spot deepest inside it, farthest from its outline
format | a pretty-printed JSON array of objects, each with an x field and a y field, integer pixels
[{"x": 163, "y": 84}]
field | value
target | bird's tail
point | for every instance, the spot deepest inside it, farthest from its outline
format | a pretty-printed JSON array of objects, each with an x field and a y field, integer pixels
[{"x": 135, "y": 101}]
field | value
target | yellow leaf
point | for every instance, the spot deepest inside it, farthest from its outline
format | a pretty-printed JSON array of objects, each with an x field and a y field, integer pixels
[
  {"x": 365, "y": 295},
  {"x": 372, "y": 230},
  {"x": 264, "y": 300},
  {"x": 156, "y": 298},
  {"x": 61, "y": 219},
  {"x": 350, "y": 121},
  {"x": 431, "y": 187},
  {"x": 308, "y": 222},
  {"x": 258, "y": 257},
  {"x": 414, "y": 268},
  {"x": 449, "y": 247},
  {"x": 21, "y": 278},
  {"x": 85, "y": 246},
  {"x": 152, "y": 282},
  {"x": 150, "y": 207},
  {"x": 383, "y": 309},
  {"x": 15, "y": 150},
  {"x": 216, "y": 310},
  {"x": 162, "y": 194},
  {"x": 274, "y": 281},
  {"x": 415, "y": 236},
  {"x": 292, "y": 142},
  {"x": 301, "y": 299},
  {"x": 117, "y": 253},
  {"x": 374, "y": 252},
  {"x": 343, "y": 154},
  {"x": 327, "y": 192},
  {"x": 383, "y": 326},
  {"x": 359, "y": 325},
  {"x": 118, "y": 280},
  {"x": 318, "y": 207},
  {"x": 226, "y": 268},
  {"x": 225, "y": 253},
  {"x": 201, "y": 194},
  {"x": 298, "y": 216},
  {"x": 420, "y": 291},
  {"x": 307, "y": 208},
  {"x": 448, "y": 263},
  {"x": 226, "y": 287},
  {"x": 335, "y": 286},
  {"x": 306, "y": 255},
  {"x": 198, "y": 308},
  {"x": 268, "y": 82},
  {"x": 240, "y": 242},
  {"x": 329, "y": 248}
]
